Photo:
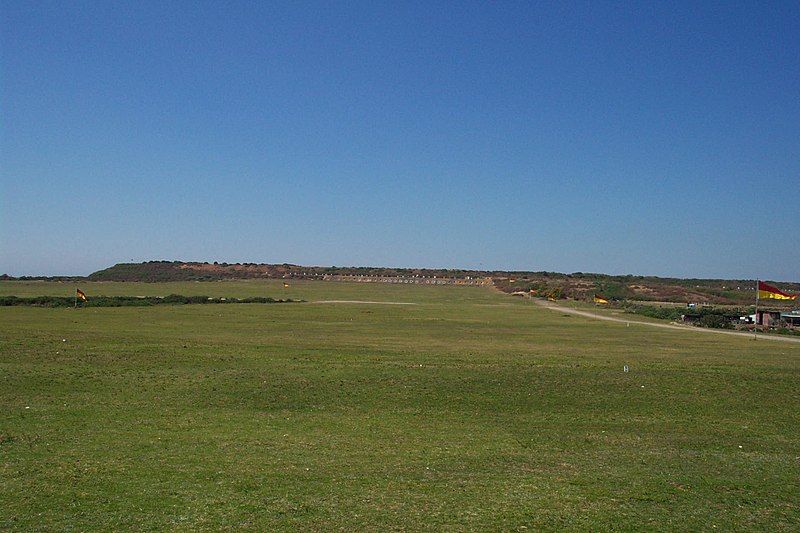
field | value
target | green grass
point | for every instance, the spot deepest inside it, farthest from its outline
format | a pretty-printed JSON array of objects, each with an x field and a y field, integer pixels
[
  {"x": 471, "y": 410},
  {"x": 297, "y": 290}
]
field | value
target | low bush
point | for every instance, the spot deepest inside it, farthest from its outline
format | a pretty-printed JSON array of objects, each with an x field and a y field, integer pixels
[{"x": 707, "y": 317}]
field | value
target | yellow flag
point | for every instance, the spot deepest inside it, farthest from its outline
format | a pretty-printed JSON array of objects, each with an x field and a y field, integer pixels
[
  {"x": 81, "y": 295},
  {"x": 600, "y": 299}
]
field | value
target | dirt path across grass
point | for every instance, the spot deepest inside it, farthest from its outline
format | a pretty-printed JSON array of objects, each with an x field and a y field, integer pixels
[{"x": 588, "y": 314}]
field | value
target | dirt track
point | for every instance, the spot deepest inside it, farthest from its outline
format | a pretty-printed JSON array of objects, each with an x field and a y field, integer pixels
[{"x": 556, "y": 307}]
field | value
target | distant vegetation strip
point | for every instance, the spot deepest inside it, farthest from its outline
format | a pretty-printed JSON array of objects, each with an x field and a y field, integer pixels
[
  {"x": 578, "y": 285},
  {"x": 133, "y": 301},
  {"x": 709, "y": 317},
  {"x": 706, "y": 317}
]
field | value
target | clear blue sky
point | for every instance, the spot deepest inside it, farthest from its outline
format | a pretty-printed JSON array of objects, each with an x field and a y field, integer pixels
[{"x": 647, "y": 138}]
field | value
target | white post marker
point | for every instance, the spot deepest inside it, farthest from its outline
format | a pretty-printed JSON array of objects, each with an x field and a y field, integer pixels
[{"x": 755, "y": 317}]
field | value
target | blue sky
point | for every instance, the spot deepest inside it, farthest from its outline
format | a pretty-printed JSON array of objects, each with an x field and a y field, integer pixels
[{"x": 643, "y": 138}]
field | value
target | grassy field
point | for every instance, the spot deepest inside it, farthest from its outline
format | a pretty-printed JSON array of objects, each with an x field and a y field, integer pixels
[
  {"x": 468, "y": 410},
  {"x": 298, "y": 290}
]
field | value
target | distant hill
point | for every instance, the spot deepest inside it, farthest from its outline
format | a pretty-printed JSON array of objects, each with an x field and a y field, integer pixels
[
  {"x": 578, "y": 285},
  {"x": 182, "y": 271},
  {"x": 583, "y": 286}
]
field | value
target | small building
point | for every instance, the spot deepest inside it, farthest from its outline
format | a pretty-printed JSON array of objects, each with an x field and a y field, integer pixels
[
  {"x": 765, "y": 318},
  {"x": 792, "y": 318},
  {"x": 768, "y": 318}
]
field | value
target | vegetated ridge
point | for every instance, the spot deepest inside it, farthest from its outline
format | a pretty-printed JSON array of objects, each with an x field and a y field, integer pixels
[{"x": 578, "y": 285}]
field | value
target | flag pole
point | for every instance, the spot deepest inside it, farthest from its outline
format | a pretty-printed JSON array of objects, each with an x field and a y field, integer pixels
[
  {"x": 76, "y": 298},
  {"x": 755, "y": 319}
]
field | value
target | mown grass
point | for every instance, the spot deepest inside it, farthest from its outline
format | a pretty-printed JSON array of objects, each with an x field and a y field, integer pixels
[
  {"x": 470, "y": 410},
  {"x": 131, "y": 301},
  {"x": 297, "y": 290}
]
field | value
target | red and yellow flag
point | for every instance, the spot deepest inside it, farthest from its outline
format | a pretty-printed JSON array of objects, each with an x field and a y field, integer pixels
[
  {"x": 768, "y": 291},
  {"x": 81, "y": 295},
  {"x": 600, "y": 299}
]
